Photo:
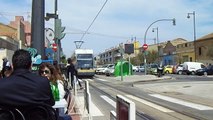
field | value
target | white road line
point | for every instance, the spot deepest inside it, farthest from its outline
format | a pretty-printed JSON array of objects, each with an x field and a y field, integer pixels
[
  {"x": 110, "y": 101},
  {"x": 101, "y": 79},
  {"x": 80, "y": 80},
  {"x": 89, "y": 80},
  {"x": 163, "y": 109},
  {"x": 182, "y": 102},
  {"x": 94, "y": 109}
]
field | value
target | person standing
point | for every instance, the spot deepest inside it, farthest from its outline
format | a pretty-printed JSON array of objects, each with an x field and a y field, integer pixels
[
  {"x": 6, "y": 66},
  {"x": 23, "y": 89},
  {"x": 57, "y": 86},
  {"x": 72, "y": 72}
]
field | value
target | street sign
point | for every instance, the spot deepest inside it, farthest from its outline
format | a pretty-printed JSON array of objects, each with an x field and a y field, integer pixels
[{"x": 145, "y": 46}]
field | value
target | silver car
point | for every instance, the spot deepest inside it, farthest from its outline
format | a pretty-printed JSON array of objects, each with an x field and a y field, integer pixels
[{"x": 110, "y": 70}]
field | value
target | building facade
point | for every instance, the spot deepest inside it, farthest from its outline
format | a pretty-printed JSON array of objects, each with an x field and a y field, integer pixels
[{"x": 204, "y": 47}]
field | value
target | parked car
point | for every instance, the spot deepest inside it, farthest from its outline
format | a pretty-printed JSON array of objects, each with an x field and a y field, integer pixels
[
  {"x": 110, "y": 70},
  {"x": 178, "y": 69},
  {"x": 152, "y": 69},
  {"x": 205, "y": 71},
  {"x": 102, "y": 69},
  {"x": 168, "y": 69},
  {"x": 141, "y": 69},
  {"x": 135, "y": 68},
  {"x": 191, "y": 67}
]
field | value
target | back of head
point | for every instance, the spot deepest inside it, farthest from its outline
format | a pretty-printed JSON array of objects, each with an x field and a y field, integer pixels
[
  {"x": 21, "y": 59},
  {"x": 69, "y": 60}
]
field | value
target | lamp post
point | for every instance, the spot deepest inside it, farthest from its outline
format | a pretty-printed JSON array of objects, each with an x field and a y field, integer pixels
[
  {"x": 153, "y": 30},
  {"x": 174, "y": 23},
  {"x": 188, "y": 16},
  {"x": 157, "y": 39}
]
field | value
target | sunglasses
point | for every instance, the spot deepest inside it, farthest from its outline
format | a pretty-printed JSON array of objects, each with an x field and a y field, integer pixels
[{"x": 45, "y": 72}]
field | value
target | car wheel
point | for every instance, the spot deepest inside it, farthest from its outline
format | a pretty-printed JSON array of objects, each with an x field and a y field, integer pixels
[
  {"x": 205, "y": 73},
  {"x": 193, "y": 73},
  {"x": 179, "y": 72},
  {"x": 167, "y": 72}
]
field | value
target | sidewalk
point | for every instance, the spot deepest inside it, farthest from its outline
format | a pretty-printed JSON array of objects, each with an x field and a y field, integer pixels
[{"x": 137, "y": 78}]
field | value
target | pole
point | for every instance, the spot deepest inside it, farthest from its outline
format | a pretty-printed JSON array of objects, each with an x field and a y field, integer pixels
[
  {"x": 194, "y": 35},
  {"x": 38, "y": 7},
  {"x": 145, "y": 38},
  {"x": 194, "y": 30},
  {"x": 57, "y": 40},
  {"x": 129, "y": 65}
]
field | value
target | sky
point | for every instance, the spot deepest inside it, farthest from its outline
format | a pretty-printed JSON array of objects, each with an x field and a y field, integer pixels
[{"x": 119, "y": 21}]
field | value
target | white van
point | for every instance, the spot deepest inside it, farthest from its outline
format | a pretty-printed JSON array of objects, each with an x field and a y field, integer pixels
[{"x": 191, "y": 67}]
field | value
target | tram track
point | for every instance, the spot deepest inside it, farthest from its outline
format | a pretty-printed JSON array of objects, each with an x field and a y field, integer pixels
[{"x": 140, "y": 114}]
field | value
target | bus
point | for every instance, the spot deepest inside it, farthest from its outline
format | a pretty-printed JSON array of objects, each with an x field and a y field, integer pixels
[{"x": 84, "y": 62}]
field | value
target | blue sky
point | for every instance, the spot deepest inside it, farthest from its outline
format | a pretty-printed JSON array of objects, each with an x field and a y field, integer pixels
[{"x": 120, "y": 20}]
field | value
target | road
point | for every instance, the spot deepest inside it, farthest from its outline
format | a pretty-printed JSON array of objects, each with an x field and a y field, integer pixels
[{"x": 151, "y": 102}]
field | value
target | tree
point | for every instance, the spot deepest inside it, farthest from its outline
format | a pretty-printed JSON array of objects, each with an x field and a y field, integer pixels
[{"x": 152, "y": 56}]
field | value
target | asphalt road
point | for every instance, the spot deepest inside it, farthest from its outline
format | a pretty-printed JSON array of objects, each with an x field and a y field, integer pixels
[{"x": 149, "y": 103}]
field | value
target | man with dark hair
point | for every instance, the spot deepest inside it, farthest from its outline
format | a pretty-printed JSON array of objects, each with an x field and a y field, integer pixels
[
  {"x": 72, "y": 72},
  {"x": 23, "y": 89}
]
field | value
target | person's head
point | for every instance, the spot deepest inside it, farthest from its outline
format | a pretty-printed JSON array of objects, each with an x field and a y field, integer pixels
[
  {"x": 48, "y": 70},
  {"x": 69, "y": 60},
  {"x": 8, "y": 71},
  {"x": 4, "y": 59},
  {"x": 21, "y": 59}
]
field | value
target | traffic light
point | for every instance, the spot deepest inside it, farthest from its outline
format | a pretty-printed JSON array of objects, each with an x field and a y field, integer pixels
[
  {"x": 173, "y": 21},
  {"x": 59, "y": 30}
]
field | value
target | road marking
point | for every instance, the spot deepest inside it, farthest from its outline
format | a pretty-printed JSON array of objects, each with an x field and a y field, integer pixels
[
  {"x": 101, "y": 79},
  {"x": 94, "y": 109},
  {"x": 182, "y": 102},
  {"x": 89, "y": 80},
  {"x": 163, "y": 109},
  {"x": 80, "y": 80},
  {"x": 110, "y": 101}
]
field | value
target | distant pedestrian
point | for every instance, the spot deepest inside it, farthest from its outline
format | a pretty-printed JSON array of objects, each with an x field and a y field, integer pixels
[
  {"x": 6, "y": 66},
  {"x": 72, "y": 72}
]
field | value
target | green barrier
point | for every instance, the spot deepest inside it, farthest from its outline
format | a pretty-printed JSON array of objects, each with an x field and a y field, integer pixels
[{"x": 126, "y": 70}]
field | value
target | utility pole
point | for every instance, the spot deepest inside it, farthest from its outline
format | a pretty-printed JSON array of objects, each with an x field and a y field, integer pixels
[
  {"x": 58, "y": 32},
  {"x": 38, "y": 26}
]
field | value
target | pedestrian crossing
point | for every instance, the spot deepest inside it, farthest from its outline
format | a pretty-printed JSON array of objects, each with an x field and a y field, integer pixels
[{"x": 182, "y": 102}]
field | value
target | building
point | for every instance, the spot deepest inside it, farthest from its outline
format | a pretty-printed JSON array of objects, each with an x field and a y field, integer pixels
[
  {"x": 12, "y": 37},
  {"x": 112, "y": 55},
  {"x": 25, "y": 29},
  {"x": 185, "y": 52},
  {"x": 204, "y": 49}
]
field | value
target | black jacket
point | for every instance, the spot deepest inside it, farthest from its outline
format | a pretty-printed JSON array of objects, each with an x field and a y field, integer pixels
[
  {"x": 71, "y": 69},
  {"x": 24, "y": 88}
]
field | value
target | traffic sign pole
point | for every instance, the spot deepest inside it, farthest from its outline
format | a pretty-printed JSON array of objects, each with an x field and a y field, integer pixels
[{"x": 145, "y": 47}]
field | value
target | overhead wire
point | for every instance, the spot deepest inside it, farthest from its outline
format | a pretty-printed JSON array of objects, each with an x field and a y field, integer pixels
[{"x": 93, "y": 21}]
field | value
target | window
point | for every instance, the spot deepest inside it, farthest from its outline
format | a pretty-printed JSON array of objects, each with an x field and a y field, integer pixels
[
  {"x": 200, "y": 52},
  {"x": 190, "y": 59},
  {"x": 186, "y": 45}
]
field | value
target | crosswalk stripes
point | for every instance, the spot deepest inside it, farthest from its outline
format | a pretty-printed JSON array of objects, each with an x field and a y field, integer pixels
[
  {"x": 101, "y": 79},
  {"x": 182, "y": 102},
  {"x": 110, "y": 101},
  {"x": 158, "y": 107}
]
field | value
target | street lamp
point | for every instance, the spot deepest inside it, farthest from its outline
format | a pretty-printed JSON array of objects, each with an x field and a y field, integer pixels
[
  {"x": 188, "y": 16},
  {"x": 157, "y": 39},
  {"x": 153, "y": 30},
  {"x": 174, "y": 23}
]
